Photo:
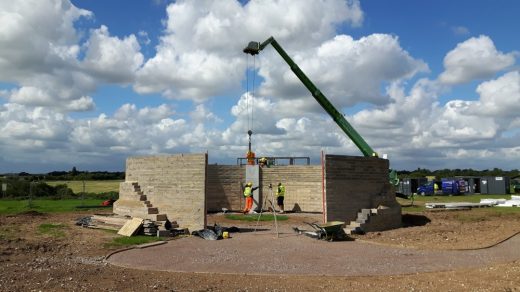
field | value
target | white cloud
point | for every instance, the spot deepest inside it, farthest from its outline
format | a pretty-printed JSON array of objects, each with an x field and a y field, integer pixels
[
  {"x": 460, "y": 30},
  {"x": 112, "y": 59},
  {"x": 347, "y": 71},
  {"x": 476, "y": 58},
  {"x": 26, "y": 133},
  {"x": 199, "y": 57},
  {"x": 40, "y": 54},
  {"x": 500, "y": 97},
  {"x": 200, "y": 54},
  {"x": 36, "y": 34}
]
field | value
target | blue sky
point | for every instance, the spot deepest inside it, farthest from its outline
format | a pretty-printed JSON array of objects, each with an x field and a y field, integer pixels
[{"x": 432, "y": 84}]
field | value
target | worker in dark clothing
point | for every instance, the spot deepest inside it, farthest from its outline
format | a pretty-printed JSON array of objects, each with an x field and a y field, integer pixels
[{"x": 280, "y": 194}]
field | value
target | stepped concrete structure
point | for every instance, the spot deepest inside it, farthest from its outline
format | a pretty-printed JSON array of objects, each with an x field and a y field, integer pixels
[{"x": 184, "y": 187}]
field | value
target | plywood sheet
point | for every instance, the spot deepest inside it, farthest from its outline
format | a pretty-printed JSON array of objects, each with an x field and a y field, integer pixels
[{"x": 130, "y": 227}]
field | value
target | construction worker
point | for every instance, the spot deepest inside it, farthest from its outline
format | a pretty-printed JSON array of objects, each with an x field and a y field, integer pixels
[
  {"x": 280, "y": 193},
  {"x": 262, "y": 162},
  {"x": 248, "y": 194},
  {"x": 250, "y": 155}
]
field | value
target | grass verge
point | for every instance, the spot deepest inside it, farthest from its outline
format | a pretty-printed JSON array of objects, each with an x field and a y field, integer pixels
[
  {"x": 52, "y": 229},
  {"x": 125, "y": 241},
  {"x": 46, "y": 206}
]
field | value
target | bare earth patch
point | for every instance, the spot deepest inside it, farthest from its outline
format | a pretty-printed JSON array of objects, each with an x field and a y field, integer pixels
[{"x": 30, "y": 260}]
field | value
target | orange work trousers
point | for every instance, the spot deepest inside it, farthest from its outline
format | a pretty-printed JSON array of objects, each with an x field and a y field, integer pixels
[{"x": 249, "y": 204}]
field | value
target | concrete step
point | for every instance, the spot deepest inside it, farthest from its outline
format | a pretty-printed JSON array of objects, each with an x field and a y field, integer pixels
[
  {"x": 153, "y": 210},
  {"x": 365, "y": 211},
  {"x": 354, "y": 224},
  {"x": 361, "y": 220},
  {"x": 161, "y": 217}
]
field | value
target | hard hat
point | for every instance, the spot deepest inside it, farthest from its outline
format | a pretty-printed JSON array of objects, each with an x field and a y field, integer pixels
[{"x": 249, "y": 184}]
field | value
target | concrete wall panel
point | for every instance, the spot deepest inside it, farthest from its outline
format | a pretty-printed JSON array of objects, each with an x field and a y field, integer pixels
[{"x": 175, "y": 184}]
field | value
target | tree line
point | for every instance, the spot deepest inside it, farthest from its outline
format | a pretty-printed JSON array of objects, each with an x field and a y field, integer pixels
[
  {"x": 73, "y": 174},
  {"x": 23, "y": 185}
]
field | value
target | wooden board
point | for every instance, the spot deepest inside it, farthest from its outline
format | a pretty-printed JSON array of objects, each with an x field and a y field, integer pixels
[
  {"x": 110, "y": 220},
  {"x": 130, "y": 227}
]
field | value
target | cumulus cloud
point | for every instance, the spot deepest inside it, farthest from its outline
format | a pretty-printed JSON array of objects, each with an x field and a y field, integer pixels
[
  {"x": 35, "y": 35},
  {"x": 476, "y": 58},
  {"x": 500, "y": 97},
  {"x": 348, "y": 71},
  {"x": 32, "y": 135},
  {"x": 200, "y": 54},
  {"x": 45, "y": 135},
  {"x": 41, "y": 54},
  {"x": 112, "y": 59},
  {"x": 199, "y": 57}
]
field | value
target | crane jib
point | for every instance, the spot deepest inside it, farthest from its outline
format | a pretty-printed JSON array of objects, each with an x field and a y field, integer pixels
[{"x": 254, "y": 48}]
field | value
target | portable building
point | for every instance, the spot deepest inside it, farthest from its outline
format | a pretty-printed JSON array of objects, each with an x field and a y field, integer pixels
[{"x": 496, "y": 185}]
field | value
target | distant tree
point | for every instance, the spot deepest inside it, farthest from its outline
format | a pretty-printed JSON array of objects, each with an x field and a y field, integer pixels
[{"x": 74, "y": 171}]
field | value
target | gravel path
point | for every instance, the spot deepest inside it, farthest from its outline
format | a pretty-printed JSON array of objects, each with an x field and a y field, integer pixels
[{"x": 263, "y": 253}]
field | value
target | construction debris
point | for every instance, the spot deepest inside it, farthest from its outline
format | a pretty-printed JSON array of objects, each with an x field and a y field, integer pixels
[
  {"x": 457, "y": 205},
  {"x": 131, "y": 227},
  {"x": 214, "y": 232},
  {"x": 149, "y": 227},
  {"x": 329, "y": 231},
  {"x": 514, "y": 202},
  {"x": 102, "y": 222}
]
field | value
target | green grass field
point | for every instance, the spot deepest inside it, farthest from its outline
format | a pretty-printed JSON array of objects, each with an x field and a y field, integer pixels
[
  {"x": 91, "y": 186},
  {"x": 46, "y": 206}
]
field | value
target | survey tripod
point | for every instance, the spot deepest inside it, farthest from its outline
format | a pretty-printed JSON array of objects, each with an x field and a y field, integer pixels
[{"x": 269, "y": 200}]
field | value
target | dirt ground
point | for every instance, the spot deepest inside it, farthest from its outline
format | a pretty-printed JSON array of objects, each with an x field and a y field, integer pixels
[{"x": 30, "y": 261}]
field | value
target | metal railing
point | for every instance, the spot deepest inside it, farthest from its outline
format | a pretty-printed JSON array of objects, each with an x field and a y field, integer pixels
[{"x": 278, "y": 160}]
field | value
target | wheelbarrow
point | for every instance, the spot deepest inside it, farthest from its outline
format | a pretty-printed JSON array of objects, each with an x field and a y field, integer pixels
[{"x": 330, "y": 231}]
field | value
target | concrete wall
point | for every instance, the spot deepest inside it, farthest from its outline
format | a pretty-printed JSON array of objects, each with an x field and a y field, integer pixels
[
  {"x": 353, "y": 183},
  {"x": 302, "y": 184},
  {"x": 175, "y": 184},
  {"x": 185, "y": 187},
  {"x": 224, "y": 189}
]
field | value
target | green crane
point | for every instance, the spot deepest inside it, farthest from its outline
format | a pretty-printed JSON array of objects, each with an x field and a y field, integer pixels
[{"x": 253, "y": 48}]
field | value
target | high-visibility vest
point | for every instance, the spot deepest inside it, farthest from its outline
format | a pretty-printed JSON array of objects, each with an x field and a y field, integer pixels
[
  {"x": 281, "y": 191},
  {"x": 247, "y": 191}
]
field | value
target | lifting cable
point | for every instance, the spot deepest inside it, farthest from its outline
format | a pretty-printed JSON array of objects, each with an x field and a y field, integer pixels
[
  {"x": 253, "y": 93},
  {"x": 250, "y": 95}
]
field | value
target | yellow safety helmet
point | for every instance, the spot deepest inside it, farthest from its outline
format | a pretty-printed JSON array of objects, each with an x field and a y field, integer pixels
[{"x": 249, "y": 184}]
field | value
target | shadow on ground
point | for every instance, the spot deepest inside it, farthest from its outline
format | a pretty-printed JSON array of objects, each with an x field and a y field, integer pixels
[{"x": 411, "y": 220}]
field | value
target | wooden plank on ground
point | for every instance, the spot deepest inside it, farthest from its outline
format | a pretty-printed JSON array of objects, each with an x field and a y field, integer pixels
[
  {"x": 105, "y": 226},
  {"x": 130, "y": 227},
  {"x": 110, "y": 219}
]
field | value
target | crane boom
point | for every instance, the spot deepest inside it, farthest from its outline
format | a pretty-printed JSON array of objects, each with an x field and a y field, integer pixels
[{"x": 254, "y": 48}]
